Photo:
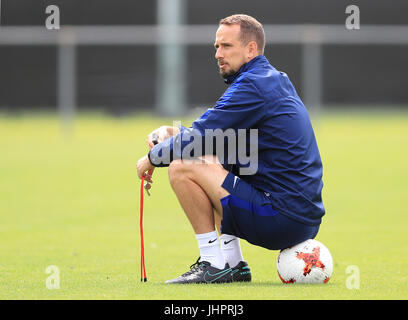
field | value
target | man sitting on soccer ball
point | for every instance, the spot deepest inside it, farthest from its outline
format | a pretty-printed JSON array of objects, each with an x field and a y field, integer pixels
[{"x": 275, "y": 206}]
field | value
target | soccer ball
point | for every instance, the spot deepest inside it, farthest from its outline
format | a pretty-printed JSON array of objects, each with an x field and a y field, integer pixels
[{"x": 306, "y": 262}]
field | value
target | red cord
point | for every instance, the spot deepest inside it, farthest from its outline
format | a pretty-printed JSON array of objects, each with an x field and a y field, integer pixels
[{"x": 142, "y": 259}]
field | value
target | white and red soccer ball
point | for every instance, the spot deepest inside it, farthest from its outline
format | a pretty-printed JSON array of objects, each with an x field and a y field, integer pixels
[{"x": 306, "y": 262}]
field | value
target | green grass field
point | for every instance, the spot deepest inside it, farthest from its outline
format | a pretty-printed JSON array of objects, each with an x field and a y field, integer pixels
[{"x": 74, "y": 203}]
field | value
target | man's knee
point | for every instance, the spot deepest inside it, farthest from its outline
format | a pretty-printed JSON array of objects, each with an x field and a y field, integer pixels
[
  {"x": 188, "y": 169},
  {"x": 175, "y": 170},
  {"x": 180, "y": 170}
]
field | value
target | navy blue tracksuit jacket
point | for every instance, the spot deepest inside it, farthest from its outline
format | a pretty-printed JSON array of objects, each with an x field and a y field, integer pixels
[{"x": 289, "y": 166}]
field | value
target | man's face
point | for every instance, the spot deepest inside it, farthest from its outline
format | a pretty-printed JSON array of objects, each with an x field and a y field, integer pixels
[{"x": 231, "y": 54}]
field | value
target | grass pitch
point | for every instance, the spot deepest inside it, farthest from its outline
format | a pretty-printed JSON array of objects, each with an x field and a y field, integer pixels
[{"x": 74, "y": 203}]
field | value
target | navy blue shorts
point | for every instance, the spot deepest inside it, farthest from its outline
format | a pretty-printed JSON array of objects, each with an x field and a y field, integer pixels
[{"x": 249, "y": 214}]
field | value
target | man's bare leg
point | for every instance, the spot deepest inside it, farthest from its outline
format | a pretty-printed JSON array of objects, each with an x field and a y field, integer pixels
[
  {"x": 197, "y": 185},
  {"x": 199, "y": 191},
  {"x": 218, "y": 218}
]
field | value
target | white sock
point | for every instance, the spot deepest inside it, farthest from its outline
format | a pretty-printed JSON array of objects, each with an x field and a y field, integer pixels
[
  {"x": 210, "y": 249},
  {"x": 231, "y": 249}
]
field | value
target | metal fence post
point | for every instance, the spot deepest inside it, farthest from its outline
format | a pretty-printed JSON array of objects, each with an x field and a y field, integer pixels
[
  {"x": 171, "y": 54},
  {"x": 312, "y": 70},
  {"x": 66, "y": 80}
]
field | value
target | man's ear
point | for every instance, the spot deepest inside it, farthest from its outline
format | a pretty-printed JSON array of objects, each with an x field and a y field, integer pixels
[{"x": 252, "y": 49}]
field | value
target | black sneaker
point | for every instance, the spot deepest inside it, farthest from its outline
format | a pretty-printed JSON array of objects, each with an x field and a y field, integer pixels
[
  {"x": 241, "y": 272},
  {"x": 203, "y": 272}
]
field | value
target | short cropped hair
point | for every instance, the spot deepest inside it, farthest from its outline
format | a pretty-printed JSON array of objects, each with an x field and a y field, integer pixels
[{"x": 251, "y": 29}]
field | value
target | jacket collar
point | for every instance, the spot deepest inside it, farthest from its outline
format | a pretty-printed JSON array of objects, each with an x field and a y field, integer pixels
[{"x": 245, "y": 67}]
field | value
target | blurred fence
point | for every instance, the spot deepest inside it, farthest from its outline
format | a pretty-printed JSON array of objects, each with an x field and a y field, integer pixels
[{"x": 311, "y": 38}]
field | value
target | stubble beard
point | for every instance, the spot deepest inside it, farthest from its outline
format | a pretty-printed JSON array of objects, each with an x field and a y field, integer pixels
[{"x": 225, "y": 74}]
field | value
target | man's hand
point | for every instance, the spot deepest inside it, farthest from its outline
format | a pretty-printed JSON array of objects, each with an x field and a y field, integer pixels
[
  {"x": 145, "y": 168},
  {"x": 161, "y": 134}
]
